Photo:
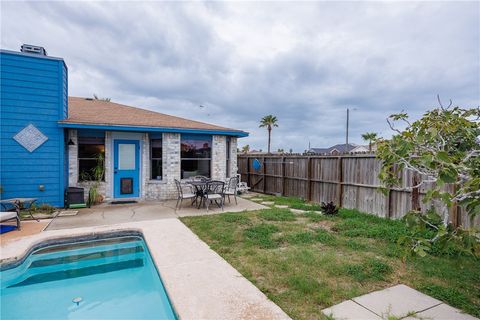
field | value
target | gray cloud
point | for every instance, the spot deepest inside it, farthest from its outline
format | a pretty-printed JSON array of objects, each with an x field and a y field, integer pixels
[{"x": 304, "y": 62}]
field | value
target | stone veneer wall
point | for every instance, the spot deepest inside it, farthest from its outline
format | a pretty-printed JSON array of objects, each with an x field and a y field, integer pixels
[
  {"x": 165, "y": 188},
  {"x": 219, "y": 160},
  {"x": 233, "y": 156}
]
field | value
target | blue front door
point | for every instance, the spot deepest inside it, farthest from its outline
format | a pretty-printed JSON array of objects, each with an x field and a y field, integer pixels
[{"x": 126, "y": 168}]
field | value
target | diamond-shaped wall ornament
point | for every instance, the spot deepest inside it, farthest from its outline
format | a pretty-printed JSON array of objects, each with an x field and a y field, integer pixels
[{"x": 30, "y": 138}]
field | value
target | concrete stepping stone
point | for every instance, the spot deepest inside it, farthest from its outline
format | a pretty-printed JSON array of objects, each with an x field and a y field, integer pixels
[
  {"x": 66, "y": 213},
  {"x": 350, "y": 310},
  {"x": 281, "y": 206},
  {"x": 442, "y": 311},
  {"x": 256, "y": 199},
  {"x": 398, "y": 301},
  {"x": 267, "y": 203},
  {"x": 297, "y": 211}
]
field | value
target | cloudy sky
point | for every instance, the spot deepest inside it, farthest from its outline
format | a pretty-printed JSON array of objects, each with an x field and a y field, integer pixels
[{"x": 303, "y": 62}]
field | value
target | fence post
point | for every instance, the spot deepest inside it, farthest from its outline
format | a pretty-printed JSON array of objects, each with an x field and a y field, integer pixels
[
  {"x": 283, "y": 176},
  {"x": 415, "y": 192},
  {"x": 264, "y": 177},
  {"x": 389, "y": 203},
  {"x": 340, "y": 181},
  {"x": 309, "y": 179},
  {"x": 248, "y": 172},
  {"x": 454, "y": 216}
]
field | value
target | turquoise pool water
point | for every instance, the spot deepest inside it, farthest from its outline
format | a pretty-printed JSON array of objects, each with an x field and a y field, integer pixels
[{"x": 111, "y": 278}]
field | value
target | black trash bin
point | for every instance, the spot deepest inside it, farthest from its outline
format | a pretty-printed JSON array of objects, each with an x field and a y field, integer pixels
[{"x": 75, "y": 195}]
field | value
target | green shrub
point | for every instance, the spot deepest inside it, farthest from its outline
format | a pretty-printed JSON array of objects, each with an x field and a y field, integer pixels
[{"x": 329, "y": 208}]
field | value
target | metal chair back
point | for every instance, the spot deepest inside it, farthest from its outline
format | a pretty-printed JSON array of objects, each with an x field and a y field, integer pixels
[
  {"x": 178, "y": 184},
  {"x": 200, "y": 178},
  {"x": 215, "y": 187},
  {"x": 233, "y": 184}
]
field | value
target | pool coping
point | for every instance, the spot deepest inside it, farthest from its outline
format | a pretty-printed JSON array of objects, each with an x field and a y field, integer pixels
[{"x": 200, "y": 284}]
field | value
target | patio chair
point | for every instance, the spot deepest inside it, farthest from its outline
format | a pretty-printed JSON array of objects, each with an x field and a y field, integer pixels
[
  {"x": 215, "y": 192},
  {"x": 199, "y": 178},
  {"x": 10, "y": 215},
  {"x": 183, "y": 195},
  {"x": 242, "y": 186},
  {"x": 231, "y": 189}
]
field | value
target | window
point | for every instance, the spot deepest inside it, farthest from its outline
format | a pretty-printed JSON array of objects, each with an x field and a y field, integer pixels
[
  {"x": 196, "y": 155},
  {"x": 156, "y": 159},
  {"x": 91, "y": 155},
  {"x": 227, "y": 156}
]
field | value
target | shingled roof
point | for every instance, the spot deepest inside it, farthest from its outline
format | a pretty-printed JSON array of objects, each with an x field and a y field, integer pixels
[{"x": 88, "y": 111}]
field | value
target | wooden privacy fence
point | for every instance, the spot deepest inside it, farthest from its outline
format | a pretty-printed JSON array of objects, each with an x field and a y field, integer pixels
[{"x": 350, "y": 181}]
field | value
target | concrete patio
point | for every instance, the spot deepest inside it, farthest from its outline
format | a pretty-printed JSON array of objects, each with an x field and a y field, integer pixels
[
  {"x": 108, "y": 214},
  {"x": 398, "y": 302}
]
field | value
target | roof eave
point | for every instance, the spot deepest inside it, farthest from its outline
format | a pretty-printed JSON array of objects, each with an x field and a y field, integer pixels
[{"x": 226, "y": 132}]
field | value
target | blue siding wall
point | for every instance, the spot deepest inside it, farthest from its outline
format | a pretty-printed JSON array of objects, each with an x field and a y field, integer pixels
[{"x": 33, "y": 91}]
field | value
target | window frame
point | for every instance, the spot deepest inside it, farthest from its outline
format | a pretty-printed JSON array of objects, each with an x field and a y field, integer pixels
[
  {"x": 228, "y": 156},
  {"x": 151, "y": 158},
  {"x": 79, "y": 142},
  {"x": 199, "y": 137}
]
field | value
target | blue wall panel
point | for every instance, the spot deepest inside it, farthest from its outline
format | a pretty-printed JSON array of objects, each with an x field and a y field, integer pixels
[{"x": 33, "y": 91}]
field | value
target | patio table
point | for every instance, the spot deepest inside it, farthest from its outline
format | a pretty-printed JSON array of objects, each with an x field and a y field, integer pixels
[
  {"x": 19, "y": 203},
  {"x": 200, "y": 189}
]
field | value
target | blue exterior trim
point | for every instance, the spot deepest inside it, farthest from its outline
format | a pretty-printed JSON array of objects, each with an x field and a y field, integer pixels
[{"x": 152, "y": 129}]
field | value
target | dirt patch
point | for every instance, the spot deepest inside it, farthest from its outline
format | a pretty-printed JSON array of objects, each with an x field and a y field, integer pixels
[{"x": 324, "y": 224}]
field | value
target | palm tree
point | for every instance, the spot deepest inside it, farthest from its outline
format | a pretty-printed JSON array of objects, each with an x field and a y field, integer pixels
[
  {"x": 269, "y": 121},
  {"x": 370, "y": 137},
  {"x": 246, "y": 148}
]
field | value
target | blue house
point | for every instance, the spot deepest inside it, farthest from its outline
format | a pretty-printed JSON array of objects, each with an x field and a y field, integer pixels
[{"x": 50, "y": 141}]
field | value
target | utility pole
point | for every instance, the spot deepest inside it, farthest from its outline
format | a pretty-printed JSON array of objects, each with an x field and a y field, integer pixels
[{"x": 348, "y": 115}]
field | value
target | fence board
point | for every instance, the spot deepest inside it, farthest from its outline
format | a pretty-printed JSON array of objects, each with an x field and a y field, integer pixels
[{"x": 351, "y": 181}]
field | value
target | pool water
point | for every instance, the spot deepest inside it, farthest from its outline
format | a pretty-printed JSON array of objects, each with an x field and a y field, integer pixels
[{"x": 103, "y": 279}]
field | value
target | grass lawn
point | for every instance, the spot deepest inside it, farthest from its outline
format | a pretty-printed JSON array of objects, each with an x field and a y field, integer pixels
[{"x": 307, "y": 262}]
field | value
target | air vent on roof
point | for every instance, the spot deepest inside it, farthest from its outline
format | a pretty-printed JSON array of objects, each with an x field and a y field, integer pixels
[{"x": 28, "y": 48}]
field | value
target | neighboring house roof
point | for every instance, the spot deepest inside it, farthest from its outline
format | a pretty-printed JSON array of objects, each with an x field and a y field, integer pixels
[
  {"x": 359, "y": 149},
  {"x": 340, "y": 148},
  {"x": 363, "y": 149},
  {"x": 91, "y": 113}
]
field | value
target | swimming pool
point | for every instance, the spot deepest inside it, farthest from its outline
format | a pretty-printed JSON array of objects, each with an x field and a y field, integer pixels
[{"x": 111, "y": 278}]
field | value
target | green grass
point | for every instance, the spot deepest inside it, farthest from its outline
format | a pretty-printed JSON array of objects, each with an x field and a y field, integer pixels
[{"x": 307, "y": 262}]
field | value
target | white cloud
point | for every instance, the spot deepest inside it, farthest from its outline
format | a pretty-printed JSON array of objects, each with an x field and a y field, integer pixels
[{"x": 304, "y": 62}]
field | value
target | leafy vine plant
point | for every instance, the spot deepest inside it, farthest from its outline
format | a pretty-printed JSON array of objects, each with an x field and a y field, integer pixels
[{"x": 442, "y": 150}]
